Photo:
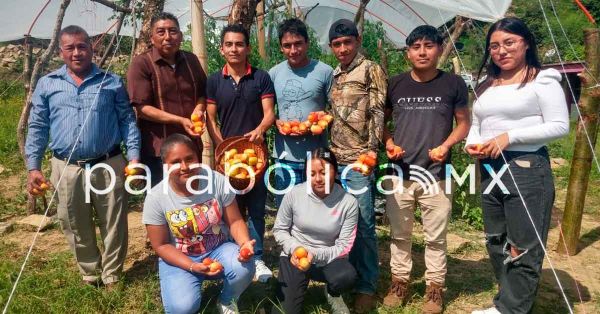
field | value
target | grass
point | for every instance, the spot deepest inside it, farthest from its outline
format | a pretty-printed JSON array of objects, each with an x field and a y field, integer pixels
[
  {"x": 52, "y": 284},
  {"x": 11, "y": 103}
]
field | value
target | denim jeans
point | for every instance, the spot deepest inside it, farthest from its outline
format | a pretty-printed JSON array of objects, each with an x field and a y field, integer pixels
[
  {"x": 283, "y": 178},
  {"x": 364, "y": 252},
  {"x": 252, "y": 204},
  {"x": 181, "y": 290},
  {"x": 507, "y": 224}
]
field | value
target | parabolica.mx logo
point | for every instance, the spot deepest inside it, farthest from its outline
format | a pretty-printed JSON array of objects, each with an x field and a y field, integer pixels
[{"x": 385, "y": 184}]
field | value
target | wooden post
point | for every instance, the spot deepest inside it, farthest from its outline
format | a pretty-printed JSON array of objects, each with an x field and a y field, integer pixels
[
  {"x": 260, "y": 29},
  {"x": 27, "y": 62},
  {"x": 27, "y": 68},
  {"x": 582, "y": 155},
  {"x": 199, "y": 48},
  {"x": 456, "y": 66},
  {"x": 198, "y": 34},
  {"x": 289, "y": 7}
]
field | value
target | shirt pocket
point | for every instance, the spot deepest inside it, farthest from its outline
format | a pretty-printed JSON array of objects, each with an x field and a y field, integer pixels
[{"x": 97, "y": 100}]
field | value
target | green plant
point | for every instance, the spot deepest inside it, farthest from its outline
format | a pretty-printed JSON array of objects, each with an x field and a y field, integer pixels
[{"x": 466, "y": 206}]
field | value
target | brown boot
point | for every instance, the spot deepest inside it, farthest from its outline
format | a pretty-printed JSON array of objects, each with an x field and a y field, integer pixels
[
  {"x": 397, "y": 294},
  {"x": 434, "y": 303},
  {"x": 364, "y": 303}
]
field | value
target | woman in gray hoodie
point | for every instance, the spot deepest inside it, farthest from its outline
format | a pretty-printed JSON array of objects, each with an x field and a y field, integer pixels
[{"x": 319, "y": 216}]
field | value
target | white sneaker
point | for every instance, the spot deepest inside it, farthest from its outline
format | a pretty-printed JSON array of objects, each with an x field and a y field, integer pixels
[
  {"x": 338, "y": 306},
  {"x": 262, "y": 273},
  {"x": 491, "y": 310},
  {"x": 227, "y": 309}
]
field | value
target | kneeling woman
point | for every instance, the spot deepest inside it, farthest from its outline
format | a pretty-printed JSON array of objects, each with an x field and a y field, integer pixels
[
  {"x": 186, "y": 228},
  {"x": 321, "y": 218}
]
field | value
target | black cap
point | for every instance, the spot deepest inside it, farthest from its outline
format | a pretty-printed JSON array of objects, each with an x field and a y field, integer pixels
[{"x": 341, "y": 28}]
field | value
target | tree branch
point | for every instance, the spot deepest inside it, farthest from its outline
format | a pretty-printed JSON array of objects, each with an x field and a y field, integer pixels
[{"x": 113, "y": 6}]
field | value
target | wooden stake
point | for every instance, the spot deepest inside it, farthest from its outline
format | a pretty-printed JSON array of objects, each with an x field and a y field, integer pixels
[
  {"x": 582, "y": 155},
  {"x": 289, "y": 7},
  {"x": 27, "y": 62},
  {"x": 456, "y": 65},
  {"x": 260, "y": 18},
  {"x": 199, "y": 48}
]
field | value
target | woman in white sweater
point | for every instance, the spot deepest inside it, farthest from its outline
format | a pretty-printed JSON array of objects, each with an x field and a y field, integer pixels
[
  {"x": 519, "y": 109},
  {"x": 319, "y": 216}
]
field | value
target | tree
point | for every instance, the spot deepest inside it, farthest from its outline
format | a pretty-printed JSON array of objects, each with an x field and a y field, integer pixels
[
  {"x": 243, "y": 12},
  {"x": 151, "y": 8},
  {"x": 35, "y": 76}
]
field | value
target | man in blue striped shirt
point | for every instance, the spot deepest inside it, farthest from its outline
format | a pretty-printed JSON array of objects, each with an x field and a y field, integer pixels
[{"x": 85, "y": 112}]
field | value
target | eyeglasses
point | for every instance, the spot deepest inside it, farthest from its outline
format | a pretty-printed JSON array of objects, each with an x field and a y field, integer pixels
[{"x": 508, "y": 45}]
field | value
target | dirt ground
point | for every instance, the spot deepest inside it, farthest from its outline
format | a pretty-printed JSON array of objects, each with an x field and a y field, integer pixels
[{"x": 466, "y": 256}]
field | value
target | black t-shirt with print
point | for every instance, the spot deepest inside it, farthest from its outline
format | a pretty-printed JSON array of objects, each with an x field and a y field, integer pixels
[{"x": 423, "y": 115}]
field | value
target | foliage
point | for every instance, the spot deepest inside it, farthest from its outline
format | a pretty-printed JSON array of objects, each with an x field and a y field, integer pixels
[
  {"x": 11, "y": 101},
  {"x": 466, "y": 206},
  {"x": 373, "y": 32},
  {"x": 571, "y": 19},
  {"x": 274, "y": 56}
]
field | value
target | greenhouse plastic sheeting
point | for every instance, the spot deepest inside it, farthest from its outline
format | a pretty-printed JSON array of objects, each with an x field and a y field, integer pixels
[{"x": 398, "y": 17}]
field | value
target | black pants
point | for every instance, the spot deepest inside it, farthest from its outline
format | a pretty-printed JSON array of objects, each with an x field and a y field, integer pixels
[
  {"x": 155, "y": 165},
  {"x": 252, "y": 206},
  {"x": 339, "y": 275},
  {"x": 507, "y": 224}
]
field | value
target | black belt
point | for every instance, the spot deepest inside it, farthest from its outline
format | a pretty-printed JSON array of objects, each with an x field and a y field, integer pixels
[{"x": 116, "y": 150}]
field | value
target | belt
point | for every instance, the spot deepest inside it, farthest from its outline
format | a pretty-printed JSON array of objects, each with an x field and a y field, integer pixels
[{"x": 116, "y": 150}]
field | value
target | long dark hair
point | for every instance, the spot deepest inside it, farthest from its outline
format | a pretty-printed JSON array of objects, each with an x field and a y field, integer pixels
[{"x": 515, "y": 26}]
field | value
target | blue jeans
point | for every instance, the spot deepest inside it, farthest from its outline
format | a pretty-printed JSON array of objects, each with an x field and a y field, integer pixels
[
  {"x": 181, "y": 290},
  {"x": 253, "y": 204},
  {"x": 364, "y": 252},
  {"x": 507, "y": 225},
  {"x": 283, "y": 178}
]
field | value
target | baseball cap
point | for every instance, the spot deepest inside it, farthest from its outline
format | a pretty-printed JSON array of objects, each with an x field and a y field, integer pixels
[{"x": 341, "y": 28}]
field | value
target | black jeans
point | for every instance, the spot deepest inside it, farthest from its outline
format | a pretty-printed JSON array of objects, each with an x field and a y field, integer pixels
[
  {"x": 252, "y": 205},
  {"x": 339, "y": 275},
  {"x": 507, "y": 224}
]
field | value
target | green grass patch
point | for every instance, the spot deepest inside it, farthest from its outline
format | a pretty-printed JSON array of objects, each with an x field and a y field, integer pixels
[
  {"x": 11, "y": 104},
  {"x": 51, "y": 283}
]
